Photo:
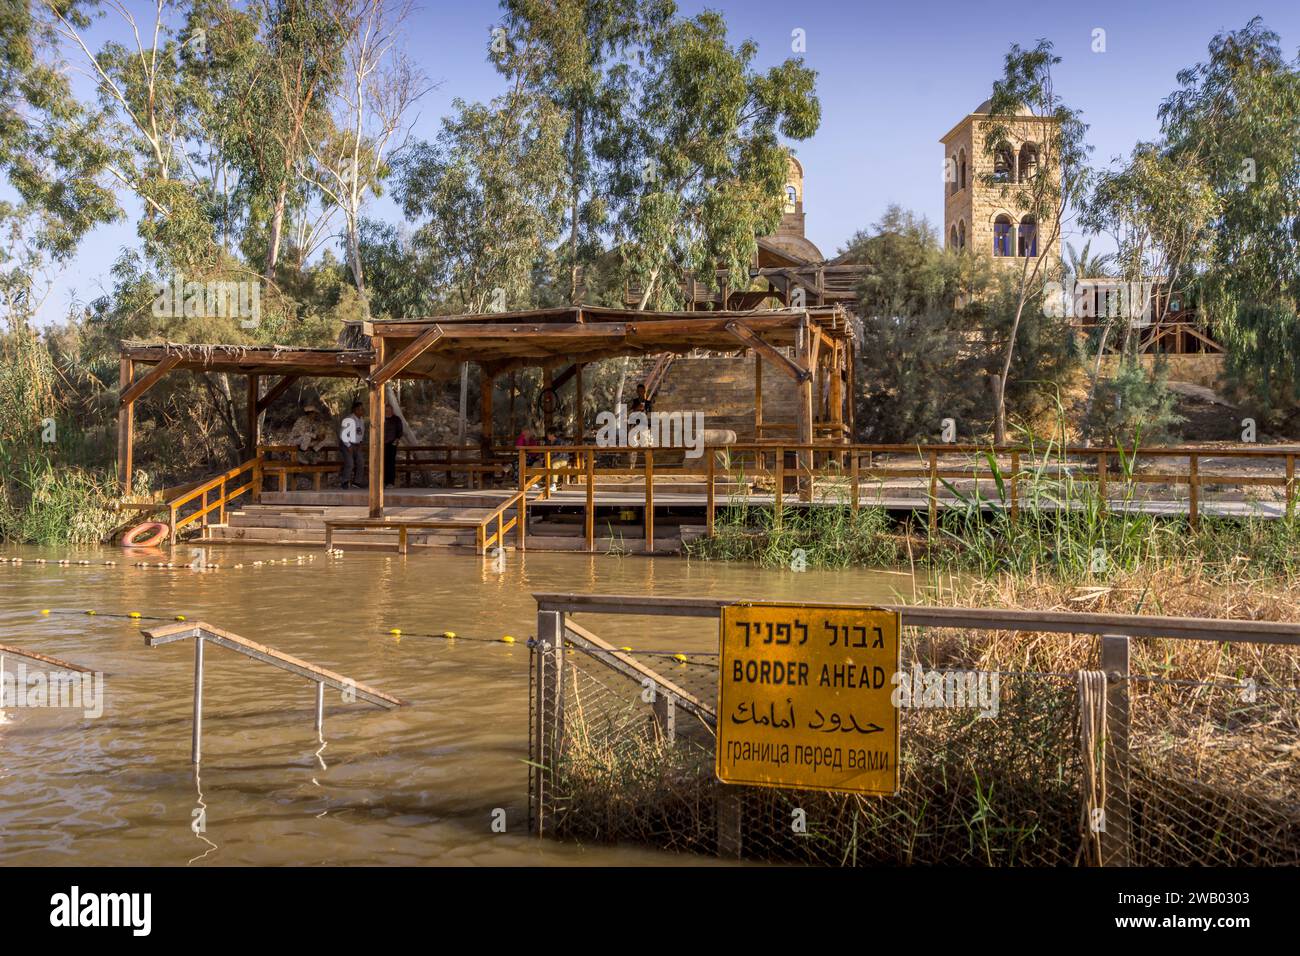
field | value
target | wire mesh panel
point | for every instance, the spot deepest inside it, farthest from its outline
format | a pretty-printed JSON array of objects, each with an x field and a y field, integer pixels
[
  {"x": 1025, "y": 768},
  {"x": 999, "y": 789},
  {"x": 1214, "y": 773}
]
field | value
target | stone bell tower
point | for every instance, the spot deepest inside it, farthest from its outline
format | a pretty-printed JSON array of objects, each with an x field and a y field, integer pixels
[{"x": 976, "y": 216}]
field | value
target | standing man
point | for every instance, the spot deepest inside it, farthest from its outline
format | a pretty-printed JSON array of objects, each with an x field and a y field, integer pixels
[
  {"x": 392, "y": 435},
  {"x": 352, "y": 436}
]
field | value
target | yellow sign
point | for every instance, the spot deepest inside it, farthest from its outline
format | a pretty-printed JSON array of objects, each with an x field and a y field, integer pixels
[{"x": 804, "y": 697}]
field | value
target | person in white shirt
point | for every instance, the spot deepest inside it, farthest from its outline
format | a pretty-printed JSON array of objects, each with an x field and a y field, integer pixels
[{"x": 352, "y": 436}]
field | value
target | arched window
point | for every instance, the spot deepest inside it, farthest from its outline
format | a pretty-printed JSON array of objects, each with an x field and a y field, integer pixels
[
  {"x": 952, "y": 238},
  {"x": 961, "y": 234},
  {"x": 1027, "y": 245},
  {"x": 961, "y": 169},
  {"x": 950, "y": 174},
  {"x": 1004, "y": 162},
  {"x": 1002, "y": 236},
  {"x": 791, "y": 197},
  {"x": 1028, "y": 162}
]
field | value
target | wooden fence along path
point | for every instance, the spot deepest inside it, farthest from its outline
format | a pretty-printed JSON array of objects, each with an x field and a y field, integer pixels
[{"x": 1104, "y": 693}]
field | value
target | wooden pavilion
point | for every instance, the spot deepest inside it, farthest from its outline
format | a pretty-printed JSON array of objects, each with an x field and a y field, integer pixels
[{"x": 812, "y": 347}]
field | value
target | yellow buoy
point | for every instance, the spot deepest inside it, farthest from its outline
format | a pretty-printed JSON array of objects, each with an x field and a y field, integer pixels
[
  {"x": 628, "y": 649},
  {"x": 394, "y": 630},
  {"x": 134, "y": 614},
  {"x": 507, "y": 639},
  {"x": 180, "y": 617},
  {"x": 680, "y": 658},
  {"x": 90, "y": 612},
  {"x": 45, "y": 610},
  {"x": 448, "y": 633}
]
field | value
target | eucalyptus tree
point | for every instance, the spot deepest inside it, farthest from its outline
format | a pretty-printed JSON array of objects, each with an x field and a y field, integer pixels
[
  {"x": 487, "y": 197},
  {"x": 697, "y": 167},
  {"x": 1236, "y": 117},
  {"x": 351, "y": 155},
  {"x": 570, "y": 52},
  {"x": 1026, "y": 96}
]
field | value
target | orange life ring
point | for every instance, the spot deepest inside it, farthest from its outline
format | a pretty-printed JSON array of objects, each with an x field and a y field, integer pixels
[{"x": 161, "y": 532}]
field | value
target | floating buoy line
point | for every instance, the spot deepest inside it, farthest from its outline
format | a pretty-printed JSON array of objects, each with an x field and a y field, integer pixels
[
  {"x": 675, "y": 656},
  {"x": 203, "y": 566}
]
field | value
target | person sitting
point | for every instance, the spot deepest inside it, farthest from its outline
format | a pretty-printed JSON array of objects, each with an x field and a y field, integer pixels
[{"x": 352, "y": 435}]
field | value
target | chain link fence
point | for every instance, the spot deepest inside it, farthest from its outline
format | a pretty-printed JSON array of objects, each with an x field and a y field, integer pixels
[{"x": 1209, "y": 774}]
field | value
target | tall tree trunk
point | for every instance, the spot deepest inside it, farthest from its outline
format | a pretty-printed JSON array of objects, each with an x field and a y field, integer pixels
[
  {"x": 574, "y": 202},
  {"x": 277, "y": 229}
]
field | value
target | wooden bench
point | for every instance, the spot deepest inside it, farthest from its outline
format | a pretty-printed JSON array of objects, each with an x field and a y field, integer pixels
[{"x": 401, "y": 526}]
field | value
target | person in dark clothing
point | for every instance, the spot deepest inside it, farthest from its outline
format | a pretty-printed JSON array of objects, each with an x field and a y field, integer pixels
[
  {"x": 641, "y": 403},
  {"x": 392, "y": 435}
]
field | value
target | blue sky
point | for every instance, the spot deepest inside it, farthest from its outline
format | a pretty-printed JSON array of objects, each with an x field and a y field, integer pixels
[{"x": 894, "y": 77}]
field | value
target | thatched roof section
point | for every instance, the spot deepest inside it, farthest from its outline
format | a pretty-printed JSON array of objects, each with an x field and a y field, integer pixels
[{"x": 503, "y": 341}]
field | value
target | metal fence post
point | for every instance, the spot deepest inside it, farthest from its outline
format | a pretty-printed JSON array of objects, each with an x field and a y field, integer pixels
[
  {"x": 727, "y": 807},
  {"x": 549, "y": 729},
  {"x": 1116, "y": 835},
  {"x": 665, "y": 717},
  {"x": 196, "y": 744}
]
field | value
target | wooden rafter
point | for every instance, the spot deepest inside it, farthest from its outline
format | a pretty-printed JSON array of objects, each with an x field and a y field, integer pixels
[
  {"x": 407, "y": 355},
  {"x": 148, "y": 381},
  {"x": 274, "y": 392},
  {"x": 778, "y": 358}
]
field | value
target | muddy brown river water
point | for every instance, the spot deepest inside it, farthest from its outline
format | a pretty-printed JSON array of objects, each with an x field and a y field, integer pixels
[{"x": 415, "y": 785}]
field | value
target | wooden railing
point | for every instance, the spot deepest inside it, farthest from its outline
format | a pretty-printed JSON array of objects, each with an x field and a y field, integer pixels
[
  {"x": 489, "y": 538},
  {"x": 833, "y": 471},
  {"x": 214, "y": 494},
  {"x": 449, "y": 459}
]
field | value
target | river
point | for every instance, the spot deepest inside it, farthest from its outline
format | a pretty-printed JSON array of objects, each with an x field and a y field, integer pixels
[{"x": 416, "y": 785}]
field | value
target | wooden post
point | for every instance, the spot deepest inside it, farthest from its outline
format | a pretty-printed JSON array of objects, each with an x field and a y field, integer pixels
[
  {"x": 1015, "y": 486},
  {"x": 548, "y": 730},
  {"x": 1116, "y": 844},
  {"x": 1194, "y": 492},
  {"x": 125, "y": 427},
  {"x": 853, "y": 479},
  {"x": 934, "y": 491},
  {"x": 580, "y": 403},
  {"x": 780, "y": 486},
  {"x": 1103, "y": 466},
  {"x": 708, "y": 506},
  {"x": 589, "y": 457},
  {"x": 849, "y": 397},
  {"x": 487, "y": 432},
  {"x": 523, "y": 499},
  {"x": 514, "y": 391},
  {"x": 1290, "y": 485},
  {"x": 254, "y": 433},
  {"x": 837, "y": 391},
  {"x": 758, "y": 396},
  {"x": 376, "y": 434},
  {"x": 548, "y": 380},
  {"x": 804, "y": 415},
  {"x": 649, "y": 499}
]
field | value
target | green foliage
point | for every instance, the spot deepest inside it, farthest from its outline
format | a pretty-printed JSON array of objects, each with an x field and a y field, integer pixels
[
  {"x": 1135, "y": 404},
  {"x": 1237, "y": 118}
]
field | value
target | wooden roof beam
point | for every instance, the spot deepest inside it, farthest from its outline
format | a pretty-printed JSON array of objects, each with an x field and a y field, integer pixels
[
  {"x": 274, "y": 392},
  {"x": 405, "y": 357},
  {"x": 154, "y": 376},
  {"x": 773, "y": 355}
]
